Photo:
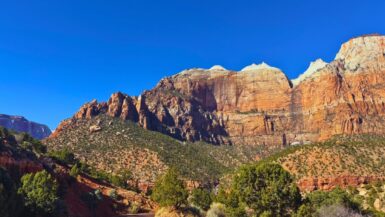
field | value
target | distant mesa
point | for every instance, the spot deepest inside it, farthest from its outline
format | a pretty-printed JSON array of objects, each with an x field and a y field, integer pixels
[{"x": 21, "y": 124}]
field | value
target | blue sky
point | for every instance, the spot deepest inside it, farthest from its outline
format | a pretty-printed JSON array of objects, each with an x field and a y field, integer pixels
[{"x": 57, "y": 55}]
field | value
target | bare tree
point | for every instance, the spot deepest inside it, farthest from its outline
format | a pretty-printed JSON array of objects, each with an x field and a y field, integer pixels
[{"x": 338, "y": 211}]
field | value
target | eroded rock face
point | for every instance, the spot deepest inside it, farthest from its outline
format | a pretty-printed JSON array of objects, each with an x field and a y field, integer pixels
[
  {"x": 20, "y": 124},
  {"x": 329, "y": 183},
  {"x": 259, "y": 105}
]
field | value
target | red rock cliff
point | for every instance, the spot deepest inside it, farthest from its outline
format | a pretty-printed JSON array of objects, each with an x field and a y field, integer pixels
[{"x": 260, "y": 105}]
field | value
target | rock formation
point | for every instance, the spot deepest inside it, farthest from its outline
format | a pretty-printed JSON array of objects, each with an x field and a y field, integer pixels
[
  {"x": 313, "y": 67},
  {"x": 20, "y": 124},
  {"x": 259, "y": 105},
  {"x": 312, "y": 184}
]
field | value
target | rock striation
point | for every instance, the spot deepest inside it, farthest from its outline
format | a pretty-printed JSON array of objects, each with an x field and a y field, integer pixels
[
  {"x": 21, "y": 124},
  {"x": 329, "y": 183},
  {"x": 259, "y": 105}
]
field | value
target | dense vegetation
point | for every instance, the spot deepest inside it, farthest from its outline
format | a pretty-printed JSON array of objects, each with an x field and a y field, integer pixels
[
  {"x": 201, "y": 198},
  {"x": 35, "y": 194},
  {"x": 265, "y": 189},
  {"x": 262, "y": 190},
  {"x": 40, "y": 192},
  {"x": 147, "y": 154},
  {"x": 21, "y": 143},
  {"x": 341, "y": 155}
]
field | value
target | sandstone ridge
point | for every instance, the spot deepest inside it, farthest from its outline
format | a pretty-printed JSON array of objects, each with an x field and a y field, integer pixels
[{"x": 260, "y": 105}]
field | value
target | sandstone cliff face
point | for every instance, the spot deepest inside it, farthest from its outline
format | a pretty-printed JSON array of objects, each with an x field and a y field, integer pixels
[
  {"x": 20, "y": 124},
  {"x": 259, "y": 105}
]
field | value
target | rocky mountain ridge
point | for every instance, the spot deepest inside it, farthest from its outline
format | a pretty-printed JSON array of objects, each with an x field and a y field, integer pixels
[
  {"x": 260, "y": 105},
  {"x": 21, "y": 124}
]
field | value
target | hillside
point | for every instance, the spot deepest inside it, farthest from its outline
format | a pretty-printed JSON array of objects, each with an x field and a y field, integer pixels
[
  {"x": 79, "y": 195},
  {"x": 111, "y": 144},
  {"x": 341, "y": 161}
]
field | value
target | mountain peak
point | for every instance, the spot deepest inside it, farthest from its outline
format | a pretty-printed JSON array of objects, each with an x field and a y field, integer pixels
[
  {"x": 363, "y": 51},
  {"x": 313, "y": 67},
  {"x": 218, "y": 67},
  {"x": 260, "y": 66}
]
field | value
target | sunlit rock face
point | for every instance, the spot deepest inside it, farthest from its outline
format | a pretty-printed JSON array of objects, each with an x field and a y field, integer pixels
[
  {"x": 259, "y": 105},
  {"x": 20, "y": 124},
  {"x": 313, "y": 67}
]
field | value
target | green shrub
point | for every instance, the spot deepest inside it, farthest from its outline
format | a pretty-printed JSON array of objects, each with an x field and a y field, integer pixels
[
  {"x": 64, "y": 156},
  {"x": 305, "y": 210},
  {"x": 30, "y": 143},
  {"x": 216, "y": 210},
  {"x": 113, "y": 194},
  {"x": 201, "y": 198},
  {"x": 121, "y": 179},
  {"x": 75, "y": 171},
  {"x": 169, "y": 190},
  {"x": 337, "y": 196},
  {"x": 40, "y": 192},
  {"x": 134, "y": 208},
  {"x": 266, "y": 188}
]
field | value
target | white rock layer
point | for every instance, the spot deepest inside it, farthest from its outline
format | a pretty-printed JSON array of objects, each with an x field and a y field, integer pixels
[
  {"x": 361, "y": 52},
  {"x": 218, "y": 67},
  {"x": 313, "y": 67},
  {"x": 254, "y": 67}
]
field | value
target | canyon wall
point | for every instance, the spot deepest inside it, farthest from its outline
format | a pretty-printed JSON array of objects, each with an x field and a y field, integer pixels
[{"x": 259, "y": 105}]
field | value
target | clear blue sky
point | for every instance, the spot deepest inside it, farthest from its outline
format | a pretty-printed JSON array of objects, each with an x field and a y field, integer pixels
[{"x": 57, "y": 55}]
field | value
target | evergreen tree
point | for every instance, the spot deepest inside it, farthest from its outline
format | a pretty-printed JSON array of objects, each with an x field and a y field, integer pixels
[
  {"x": 267, "y": 189},
  {"x": 40, "y": 192},
  {"x": 169, "y": 190},
  {"x": 201, "y": 198}
]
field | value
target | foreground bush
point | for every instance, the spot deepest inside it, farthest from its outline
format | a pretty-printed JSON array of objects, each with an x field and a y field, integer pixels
[
  {"x": 40, "y": 192},
  {"x": 169, "y": 190},
  {"x": 267, "y": 189},
  {"x": 173, "y": 212},
  {"x": 216, "y": 210},
  {"x": 201, "y": 198}
]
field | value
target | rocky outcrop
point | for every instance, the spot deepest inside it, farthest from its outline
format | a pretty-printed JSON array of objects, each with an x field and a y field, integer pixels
[
  {"x": 259, "y": 105},
  {"x": 20, "y": 124},
  {"x": 312, "y": 184},
  {"x": 313, "y": 67}
]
